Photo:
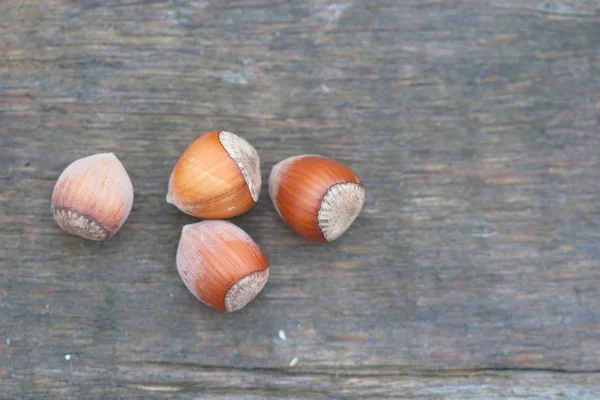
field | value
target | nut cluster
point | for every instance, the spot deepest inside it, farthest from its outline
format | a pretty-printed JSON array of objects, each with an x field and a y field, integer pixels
[{"x": 217, "y": 177}]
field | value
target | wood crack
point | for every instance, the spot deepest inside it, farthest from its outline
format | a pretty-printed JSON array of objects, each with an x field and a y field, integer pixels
[{"x": 368, "y": 372}]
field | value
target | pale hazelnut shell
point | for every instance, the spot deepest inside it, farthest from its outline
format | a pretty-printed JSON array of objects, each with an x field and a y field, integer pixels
[{"x": 93, "y": 197}]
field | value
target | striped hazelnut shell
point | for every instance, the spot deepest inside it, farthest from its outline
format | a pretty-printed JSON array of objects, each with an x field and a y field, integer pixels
[
  {"x": 218, "y": 176},
  {"x": 221, "y": 265},
  {"x": 318, "y": 197},
  {"x": 93, "y": 197}
]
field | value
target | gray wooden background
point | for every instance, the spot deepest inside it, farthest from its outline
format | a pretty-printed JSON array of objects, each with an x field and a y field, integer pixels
[{"x": 472, "y": 272}]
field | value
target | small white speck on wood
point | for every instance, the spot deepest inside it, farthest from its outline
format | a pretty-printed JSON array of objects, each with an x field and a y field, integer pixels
[
  {"x": 67, "y": 357},
  {"x": 294, "y": 362},
  {"x": 282, "y": 335},
  {"x": 8, "y": 341}
]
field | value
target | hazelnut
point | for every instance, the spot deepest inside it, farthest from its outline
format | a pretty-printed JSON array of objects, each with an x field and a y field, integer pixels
[
  {"x": 221, "y": 265},
  {"x": 93, "y": 197},
  {"x": 218, "y": 176},
  {"x": 316, "y": 196}
]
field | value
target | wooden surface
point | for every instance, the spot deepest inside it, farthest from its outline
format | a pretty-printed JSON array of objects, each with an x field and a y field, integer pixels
[{"x": 472, "y": 272}]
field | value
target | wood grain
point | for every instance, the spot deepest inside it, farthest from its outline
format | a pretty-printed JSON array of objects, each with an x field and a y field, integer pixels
[{"x": 471, "y": 273}]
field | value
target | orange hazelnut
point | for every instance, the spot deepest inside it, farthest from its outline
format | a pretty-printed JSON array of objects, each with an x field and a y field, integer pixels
[
  {"x": 316, "y": 196},
  {"x": 218, "y": 176},
  {"x": 93, "y": 197},
  {"x": 221, "y": 265}
]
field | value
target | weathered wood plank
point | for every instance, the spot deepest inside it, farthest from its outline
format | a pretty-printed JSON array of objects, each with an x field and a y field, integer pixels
[
  {"x": 150, "y": 381},
  {"x": 475, "y": 126}
]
